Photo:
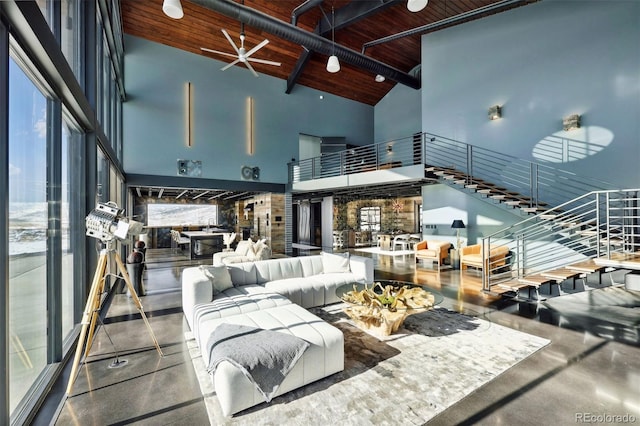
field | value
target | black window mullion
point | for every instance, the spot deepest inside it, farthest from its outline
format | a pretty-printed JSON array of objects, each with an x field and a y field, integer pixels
[
  {"x": 4, "y": 221},
  {"x": 54, "y": 237}
]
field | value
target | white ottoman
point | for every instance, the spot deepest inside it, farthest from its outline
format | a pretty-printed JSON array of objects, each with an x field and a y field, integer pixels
[{"x": 325, "y": 355}]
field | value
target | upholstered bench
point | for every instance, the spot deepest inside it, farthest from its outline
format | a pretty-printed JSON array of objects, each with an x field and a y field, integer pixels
[{"x": 323, "y": 357}]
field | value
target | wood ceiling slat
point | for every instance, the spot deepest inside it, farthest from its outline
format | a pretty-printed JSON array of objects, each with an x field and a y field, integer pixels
[{"x": 201, "y": 28}]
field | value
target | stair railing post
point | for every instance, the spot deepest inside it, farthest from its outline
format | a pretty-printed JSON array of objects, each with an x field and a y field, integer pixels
[
  {"x": 485, "y": 267},
  {"x": 519, "y": 257},
  {"x": 423, "y": 148},
  {"x": 469, "y": 163},
  {"x": 531, "y": 179}
]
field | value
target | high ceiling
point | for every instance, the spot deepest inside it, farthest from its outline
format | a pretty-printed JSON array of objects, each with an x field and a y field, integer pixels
[{"x": 371, "y": 36}]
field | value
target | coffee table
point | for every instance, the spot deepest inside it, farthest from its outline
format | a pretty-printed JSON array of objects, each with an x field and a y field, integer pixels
[{"x": 382, "y": 307}]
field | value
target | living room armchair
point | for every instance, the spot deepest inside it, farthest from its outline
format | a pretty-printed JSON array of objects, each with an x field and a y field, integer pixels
[
  {"x": 472, "y": 256},
  {"x": 436, "y": 251}
]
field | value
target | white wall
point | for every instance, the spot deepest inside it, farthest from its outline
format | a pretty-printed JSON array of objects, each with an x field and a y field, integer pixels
[
  {"x": 441, "y": 205},
  {"x": 542, "y": 62},
  {"x": 154, "y": 115}
]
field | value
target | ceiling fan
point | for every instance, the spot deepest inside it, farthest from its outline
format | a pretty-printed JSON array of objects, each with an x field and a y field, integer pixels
[{"x": 242, "y": 55}]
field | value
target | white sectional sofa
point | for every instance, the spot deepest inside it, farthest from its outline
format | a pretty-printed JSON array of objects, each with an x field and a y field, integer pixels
[{"x": 271, "y": 294}]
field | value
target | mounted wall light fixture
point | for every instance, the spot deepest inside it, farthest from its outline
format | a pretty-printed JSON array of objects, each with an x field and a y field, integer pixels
[
  {"x": 495, "y": 112},
  {"x": 571, "y": 122},
  {"x": 189, "y": 114},
  {"x": 389, "y": 148},
  {"x": 250, "y": 132},
  {"x": 416, "y": 5},
  {"x": 173, "y": 9}
]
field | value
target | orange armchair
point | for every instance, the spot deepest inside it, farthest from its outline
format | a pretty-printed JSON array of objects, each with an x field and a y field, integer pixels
[
  {"x": 472, "y": 256},
  {"x": 436, "y": 251}
]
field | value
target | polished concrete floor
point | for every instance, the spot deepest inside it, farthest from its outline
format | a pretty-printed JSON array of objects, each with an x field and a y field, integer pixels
[{"x": 579, "y": 377}]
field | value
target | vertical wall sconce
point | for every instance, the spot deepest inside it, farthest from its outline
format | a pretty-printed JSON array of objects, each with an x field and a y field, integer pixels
[
  {"x": 189, "y": 114},
  {"x": 250, "y": 136},
  {"x": 571, "y": 122},
  {"x": 495, "y": 112},
  {"x": 389, "y": 149}
]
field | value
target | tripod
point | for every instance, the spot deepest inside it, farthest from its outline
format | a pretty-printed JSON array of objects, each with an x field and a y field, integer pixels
[{"x": 92, "y": 308}]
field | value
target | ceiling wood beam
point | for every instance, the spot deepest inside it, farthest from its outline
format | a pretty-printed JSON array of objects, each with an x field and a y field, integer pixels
[{"x": 345, "y": 16}]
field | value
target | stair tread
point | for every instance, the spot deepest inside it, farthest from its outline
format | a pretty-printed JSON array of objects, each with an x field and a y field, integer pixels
[
  {"x": 513, "y": 285},
  {"x": 535, "y": 280},
  {"x": 560, "y": 273},
  {"x": 586, "y": 266}
]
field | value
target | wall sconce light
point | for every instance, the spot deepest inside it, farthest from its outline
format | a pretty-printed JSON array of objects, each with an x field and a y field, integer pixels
[
  {"x": 389, "y": 149},
  {"x": 571, "y": 122},
  {"x": 189, "y": 114},
  {"x": 495, "y": 112},
  {"x": 250, "y": 135},
  {"x": 173, "y": 9}
]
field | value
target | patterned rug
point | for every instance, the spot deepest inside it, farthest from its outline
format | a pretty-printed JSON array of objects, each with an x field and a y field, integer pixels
[{"x": 435, "y": 360}]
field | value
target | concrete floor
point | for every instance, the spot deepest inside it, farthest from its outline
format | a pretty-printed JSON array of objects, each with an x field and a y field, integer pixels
[{"x": 574, "y": 379}]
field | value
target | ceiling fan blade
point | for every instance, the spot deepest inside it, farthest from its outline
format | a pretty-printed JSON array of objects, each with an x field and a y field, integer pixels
[
  {"x": 251, "y": 68},
  {"x": 226, "y": 34},
  {"x": 255, "y": 49},
  {"x": 218, "y": 52},
  {"x": 263, "y": 61},
  {"x": 226, "y": 67}
]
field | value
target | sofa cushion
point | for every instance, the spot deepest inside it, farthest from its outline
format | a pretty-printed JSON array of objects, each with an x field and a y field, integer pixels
[
  {"x": 278, "y": 269},
  {"x": 219, "y": 277},
  {"x": 429, "y": 252},
  {"x": 318, "y": 290},
  {"x": 335, "y": 263},
  {"x": 234, "y": 301}
]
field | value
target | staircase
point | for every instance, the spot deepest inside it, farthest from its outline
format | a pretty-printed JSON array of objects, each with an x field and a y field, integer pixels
[
  {"x": 573, "y": 226},
  {"x": 588, "y": 234},
  {"x": 513, "y": 183}
]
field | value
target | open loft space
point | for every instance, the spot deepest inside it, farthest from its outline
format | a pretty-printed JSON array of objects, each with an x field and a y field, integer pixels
[{"x": 240, "y": 212}]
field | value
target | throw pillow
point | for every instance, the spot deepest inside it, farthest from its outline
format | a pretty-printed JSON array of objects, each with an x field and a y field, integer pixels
[
  {"x": 335, "y": 262},
  {"x": 262, "y": 251},
  {"x": 243, "y": 247},
  {"x": 219, "y": 277}
]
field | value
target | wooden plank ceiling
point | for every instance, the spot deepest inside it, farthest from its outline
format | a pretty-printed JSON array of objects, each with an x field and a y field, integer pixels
[{"x": 201, "y": 27}]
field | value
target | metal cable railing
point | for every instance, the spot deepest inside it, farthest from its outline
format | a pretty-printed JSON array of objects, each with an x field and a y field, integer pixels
[
  {"x": 597, "y": 224},
  {"x": 538, "y": 184}
]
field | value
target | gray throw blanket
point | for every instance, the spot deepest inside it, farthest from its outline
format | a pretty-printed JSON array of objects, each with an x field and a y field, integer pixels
[{"x": 264, "y": 356}]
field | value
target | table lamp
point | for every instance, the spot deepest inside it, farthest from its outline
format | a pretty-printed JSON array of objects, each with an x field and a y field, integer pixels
[{"x": 457, "y": 225}]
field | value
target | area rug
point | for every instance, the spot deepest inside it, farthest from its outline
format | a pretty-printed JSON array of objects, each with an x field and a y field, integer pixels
[
  {"x": 378, "y": 250},
  {"x": 436, "y": 359}
]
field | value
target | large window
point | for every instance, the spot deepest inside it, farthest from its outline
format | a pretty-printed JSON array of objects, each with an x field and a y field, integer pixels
[
  {"x": 370, "y": 218},
  {"x": 172, "y": 215},
  {"x": 27, "y": 233},
  {"x": 67, "y": 222}
]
